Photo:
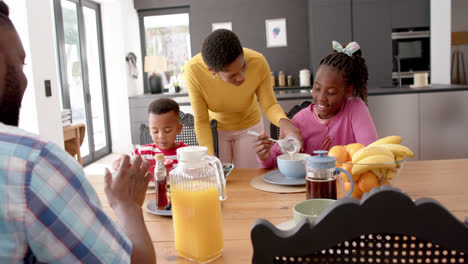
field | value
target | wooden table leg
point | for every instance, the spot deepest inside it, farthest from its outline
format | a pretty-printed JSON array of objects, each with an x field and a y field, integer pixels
[{"x": 77, "y": 140}]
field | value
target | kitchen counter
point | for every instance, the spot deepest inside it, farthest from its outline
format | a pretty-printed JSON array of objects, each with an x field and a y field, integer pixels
[
  {"x": 303, "y": 92},
  {"x": 297, "y": 92}
]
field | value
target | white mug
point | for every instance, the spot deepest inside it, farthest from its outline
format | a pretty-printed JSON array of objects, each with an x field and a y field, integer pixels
[{"x": 421, "y": 79}]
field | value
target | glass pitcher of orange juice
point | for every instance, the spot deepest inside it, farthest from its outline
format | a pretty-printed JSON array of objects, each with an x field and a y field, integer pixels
[{"x": 197, "y": 188}]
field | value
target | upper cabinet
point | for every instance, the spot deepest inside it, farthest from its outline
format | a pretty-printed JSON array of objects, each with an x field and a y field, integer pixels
[
  {"x": 410, "y": 13},
  {"x": 366, "y": 21},
  {"x": 328, "y": 20},
  {"x": 372, "y": 30}
]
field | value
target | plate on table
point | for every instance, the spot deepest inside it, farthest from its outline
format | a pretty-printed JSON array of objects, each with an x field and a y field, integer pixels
[
  {"x": 151, "y": 208},
  {"x": 276, "y": 177}
]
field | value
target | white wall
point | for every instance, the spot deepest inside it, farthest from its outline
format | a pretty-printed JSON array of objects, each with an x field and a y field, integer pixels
[
  {"x": 440, "y": 41},
  {"x": 460, "y": 23},
  {"x": 121, "y": 35},
  {"x": 35, "y": 23},
  {"x": 39, "y": 114}
]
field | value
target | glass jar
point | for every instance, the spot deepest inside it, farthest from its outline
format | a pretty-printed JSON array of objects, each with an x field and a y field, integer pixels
[{"x": 281, "y": 79}]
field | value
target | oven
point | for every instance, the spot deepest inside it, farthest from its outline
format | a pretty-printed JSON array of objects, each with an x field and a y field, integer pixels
[{"x": 411, "y": 53}]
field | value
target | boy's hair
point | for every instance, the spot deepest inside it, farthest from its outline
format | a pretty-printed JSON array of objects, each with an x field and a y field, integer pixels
[
  {"x": 163, "y": 105},
  {"x": 4, "y": 13},
  {"x": 220, "y": 48},
  {"x": 353, "y": 69}
]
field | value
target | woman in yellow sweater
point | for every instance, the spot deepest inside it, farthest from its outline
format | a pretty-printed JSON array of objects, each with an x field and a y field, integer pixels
[{"x": 224, "y": 82}]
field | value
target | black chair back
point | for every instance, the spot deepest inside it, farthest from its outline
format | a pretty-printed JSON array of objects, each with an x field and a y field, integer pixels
[
  {"x": 385, "y": 226},
  {"x": 275, "y": 131},
  {"x": 187, "y": 134}
]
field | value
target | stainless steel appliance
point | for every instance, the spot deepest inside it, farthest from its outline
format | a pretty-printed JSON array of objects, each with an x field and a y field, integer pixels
[{"x": 411, "y": 53}]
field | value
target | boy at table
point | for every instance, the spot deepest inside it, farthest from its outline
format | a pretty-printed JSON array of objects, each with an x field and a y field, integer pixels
[{"x": 164, "y": 126}]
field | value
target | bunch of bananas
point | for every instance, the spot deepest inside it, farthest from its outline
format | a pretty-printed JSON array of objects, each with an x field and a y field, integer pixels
[
  {"x": 381, "y": 158},
  {"x": 371, "y": 166}
]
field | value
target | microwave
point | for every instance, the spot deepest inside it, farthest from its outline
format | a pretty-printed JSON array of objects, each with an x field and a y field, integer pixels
[{"x": 411, "y": 52}]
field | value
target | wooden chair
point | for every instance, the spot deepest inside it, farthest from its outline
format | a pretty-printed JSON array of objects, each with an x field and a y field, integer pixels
[
  {"x": 188, "y": 132},
  {"x": 386, "y": 226},
  {"x": 275, "y": 131}
]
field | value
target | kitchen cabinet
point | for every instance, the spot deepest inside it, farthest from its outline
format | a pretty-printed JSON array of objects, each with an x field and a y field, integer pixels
[
  {"x": 366, "y": 21},
  {"x": 397, "y": 115},
  {"x": 444, "y": 125},
  {"x": 372, "y": 30},
  {"x": 434, "y": 125},
  {"x": 410, "y": 14},
  {"x": 328, "y": 20}
]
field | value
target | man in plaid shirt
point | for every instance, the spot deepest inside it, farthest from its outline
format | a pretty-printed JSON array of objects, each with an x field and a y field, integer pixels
[{"x": 48, "y": 210}]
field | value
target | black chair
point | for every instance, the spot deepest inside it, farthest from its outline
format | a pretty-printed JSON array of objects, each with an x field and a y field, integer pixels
[
  {"x": 187, "y": 134},
  {"x": 386, "y": 226},
  {"x": 275, "y": 131}
]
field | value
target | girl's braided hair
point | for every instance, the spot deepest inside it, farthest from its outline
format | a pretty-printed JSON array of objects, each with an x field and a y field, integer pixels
[{"x": 353, "y": 69}]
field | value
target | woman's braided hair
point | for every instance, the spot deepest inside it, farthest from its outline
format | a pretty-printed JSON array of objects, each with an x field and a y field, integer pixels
[{"x": 353, "y": 69}]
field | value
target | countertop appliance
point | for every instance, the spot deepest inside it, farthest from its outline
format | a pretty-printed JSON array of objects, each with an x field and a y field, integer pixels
[{"x": 411, "y": 53}]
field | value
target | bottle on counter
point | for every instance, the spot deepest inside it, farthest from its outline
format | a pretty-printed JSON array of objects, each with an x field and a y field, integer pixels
[
  {"x": 281, "y": 79},
  {"x": 160, "y": 178},
  {"x": 290, "y": 80},
  {"x": 273, "y": 79}
]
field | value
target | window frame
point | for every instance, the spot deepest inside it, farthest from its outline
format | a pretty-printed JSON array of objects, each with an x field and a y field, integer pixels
[{"x": 156, "y": 12}]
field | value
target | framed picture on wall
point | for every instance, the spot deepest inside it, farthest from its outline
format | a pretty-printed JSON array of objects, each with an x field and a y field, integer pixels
[
  {"x": 225, "y": 25},
  {"x": 276, "y": 32}
]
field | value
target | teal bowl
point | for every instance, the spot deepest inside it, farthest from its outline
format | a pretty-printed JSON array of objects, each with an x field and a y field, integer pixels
[
  {"x": 292, "y": 168},
  {"x": 310, "y": 209}
]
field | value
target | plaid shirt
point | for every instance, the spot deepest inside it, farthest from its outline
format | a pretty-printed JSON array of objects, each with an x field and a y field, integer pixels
[{"x": 49, "y": 212}]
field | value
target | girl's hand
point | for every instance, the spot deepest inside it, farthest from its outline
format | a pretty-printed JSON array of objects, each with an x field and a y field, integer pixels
[{"x": 263, "y": 146}]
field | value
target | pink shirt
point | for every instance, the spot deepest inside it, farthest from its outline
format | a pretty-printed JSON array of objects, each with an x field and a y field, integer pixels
[{"x": 352, "y": 124}]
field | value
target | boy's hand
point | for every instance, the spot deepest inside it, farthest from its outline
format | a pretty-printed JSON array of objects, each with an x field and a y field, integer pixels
[
  {"x": 129, "y": 186},
  {"x": 116, "y": 164},
  {"x": 263, "y": 146}
]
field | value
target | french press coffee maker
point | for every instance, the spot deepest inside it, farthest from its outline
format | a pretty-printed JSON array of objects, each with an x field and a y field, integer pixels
[{"x": 321, "y": 176}]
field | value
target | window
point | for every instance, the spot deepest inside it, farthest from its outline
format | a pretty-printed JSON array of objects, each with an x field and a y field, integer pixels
[{"x": 166, "y": 33}]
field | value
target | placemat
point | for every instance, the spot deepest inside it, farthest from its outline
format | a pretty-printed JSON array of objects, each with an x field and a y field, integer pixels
[{"x": 258, "y": 183}]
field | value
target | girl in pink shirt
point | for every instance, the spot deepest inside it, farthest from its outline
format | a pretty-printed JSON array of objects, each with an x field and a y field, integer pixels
[{"x": 339, "y": 115}]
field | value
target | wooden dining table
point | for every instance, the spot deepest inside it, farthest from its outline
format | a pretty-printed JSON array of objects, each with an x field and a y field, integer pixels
[{"x": 443, "y": 180}]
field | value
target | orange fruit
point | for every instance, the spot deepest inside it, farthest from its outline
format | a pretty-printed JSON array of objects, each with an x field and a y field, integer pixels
[
  {"x": 348, "y": 167},
  {"x": 353, "y": 148},
  {"x": 367, "y": 181},
  {"x": 339, "y": 152},
  {"x": 357, "y": 193}
]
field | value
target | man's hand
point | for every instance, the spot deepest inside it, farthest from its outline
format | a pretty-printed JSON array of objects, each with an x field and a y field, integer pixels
[
  {"x": 288, "y": 129},
  {"x": 263, "y": 146},
  {"x": 130, "y": 183},
  {"x": 126, "y": 194}
]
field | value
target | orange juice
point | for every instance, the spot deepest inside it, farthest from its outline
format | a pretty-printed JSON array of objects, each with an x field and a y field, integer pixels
[{"x": 196, "y": 212}]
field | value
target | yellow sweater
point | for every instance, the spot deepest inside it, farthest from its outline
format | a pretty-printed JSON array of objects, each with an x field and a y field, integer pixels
[{"x": 233, "y": 107}]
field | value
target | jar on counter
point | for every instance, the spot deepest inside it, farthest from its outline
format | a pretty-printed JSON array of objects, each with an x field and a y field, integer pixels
[
  {"x": 281, "y": 79},
  {"x": 290, "y": 80},
  {"x": 273, "y": 79},
  {"x": 304, "y": 77}
]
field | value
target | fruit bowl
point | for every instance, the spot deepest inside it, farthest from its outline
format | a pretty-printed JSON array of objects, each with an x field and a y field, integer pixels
[
  {"x": 371, "y": 166},
  {"x": 369, "y": 175}
]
